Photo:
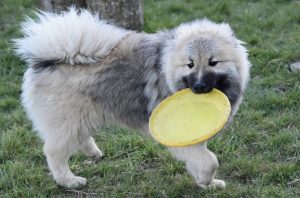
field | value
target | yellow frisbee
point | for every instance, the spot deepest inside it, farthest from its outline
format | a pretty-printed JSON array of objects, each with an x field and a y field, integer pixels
[{"x": 185, "y": 118}]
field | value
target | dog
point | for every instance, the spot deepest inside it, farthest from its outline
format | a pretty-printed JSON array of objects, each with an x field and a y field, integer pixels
[{"x": 84, "y": 72}]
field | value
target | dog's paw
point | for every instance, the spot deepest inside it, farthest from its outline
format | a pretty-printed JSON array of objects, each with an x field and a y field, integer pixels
[
  {"x": 216, "y": 183},
  {"x": 96, "y": 154},
  {"x": 72, "y": 182}
]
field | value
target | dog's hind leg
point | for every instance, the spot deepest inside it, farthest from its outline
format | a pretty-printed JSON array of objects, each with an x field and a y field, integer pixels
[
  {"x": 201, "y": 163},
  {"x": 58, "y": 150},
  {"x": 90, "y": 148}
]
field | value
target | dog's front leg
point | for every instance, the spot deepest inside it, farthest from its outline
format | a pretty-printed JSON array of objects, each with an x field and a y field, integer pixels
[{"x": 201, "y": 163}]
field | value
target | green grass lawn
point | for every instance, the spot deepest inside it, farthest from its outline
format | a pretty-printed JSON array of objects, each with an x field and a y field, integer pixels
[{"x": 259, "y": 153}]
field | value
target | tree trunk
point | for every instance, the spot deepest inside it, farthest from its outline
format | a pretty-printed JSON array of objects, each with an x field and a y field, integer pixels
[
  {"x": 60, "y": 5},
  {"x": 125, "y": 13}
]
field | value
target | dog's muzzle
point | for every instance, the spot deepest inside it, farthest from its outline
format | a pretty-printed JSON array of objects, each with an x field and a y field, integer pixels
[{"x": 201, "y": 87}]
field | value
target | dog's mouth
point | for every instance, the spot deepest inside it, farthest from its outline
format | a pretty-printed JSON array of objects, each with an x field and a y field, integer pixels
[
  {"x": 209, "y": 81},
  {"x": 225, "y": 83},
  {"x": 205, "y": 85}
]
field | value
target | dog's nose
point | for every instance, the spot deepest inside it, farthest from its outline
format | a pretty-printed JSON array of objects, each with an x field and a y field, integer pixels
[{"x": 200, "y": 87}]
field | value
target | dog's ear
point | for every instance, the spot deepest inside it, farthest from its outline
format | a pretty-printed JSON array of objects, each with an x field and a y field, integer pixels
[{"x": 227, "y": 29}]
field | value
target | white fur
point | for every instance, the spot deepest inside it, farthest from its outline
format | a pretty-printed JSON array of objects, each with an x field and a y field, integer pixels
[
  {"x": 64, "y": 121},
  {"x": 71, "y": 36},
  {"x": 203, "y": 26}
]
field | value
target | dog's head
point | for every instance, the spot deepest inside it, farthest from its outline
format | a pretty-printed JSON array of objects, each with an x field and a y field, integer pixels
[{"x": 204, "y": 55}]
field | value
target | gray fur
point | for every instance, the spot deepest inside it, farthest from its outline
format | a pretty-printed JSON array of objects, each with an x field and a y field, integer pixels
[{"x": 132, "y": 85}]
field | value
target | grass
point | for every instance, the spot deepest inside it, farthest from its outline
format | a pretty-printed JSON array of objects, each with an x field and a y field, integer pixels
[{"x": 259, "y": 153}]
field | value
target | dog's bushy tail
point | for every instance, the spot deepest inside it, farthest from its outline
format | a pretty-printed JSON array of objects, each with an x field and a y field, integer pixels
[{"x": 72, "y": 37}]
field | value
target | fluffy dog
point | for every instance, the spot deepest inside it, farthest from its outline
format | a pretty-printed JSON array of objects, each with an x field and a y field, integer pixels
[{"x": 84, "y": 73}]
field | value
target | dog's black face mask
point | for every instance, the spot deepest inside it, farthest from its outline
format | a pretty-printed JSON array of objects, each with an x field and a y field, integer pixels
[
  {"x": 203, "y": 85},
  {"x": 230, "y": 86}
]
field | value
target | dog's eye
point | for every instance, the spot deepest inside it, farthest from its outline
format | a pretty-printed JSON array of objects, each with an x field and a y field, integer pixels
[
  {"x": 212, "y": 63},
  {"x": 191, "y": 65}
]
